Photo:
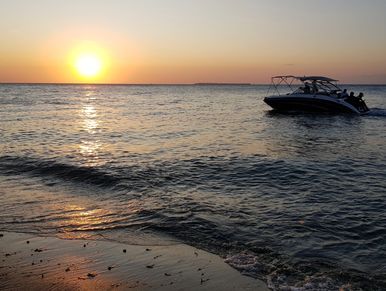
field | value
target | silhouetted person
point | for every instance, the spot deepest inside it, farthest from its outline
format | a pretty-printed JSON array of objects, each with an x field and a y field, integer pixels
[
  {"x": 352, "y": 99},
  {"x": 362, "y": 105},
  {"x": 344, "y": 93},
  {"x": 307, "y": 88},
  {"x": 314, "y": 87},
  {"x": 355, "y": 101}
]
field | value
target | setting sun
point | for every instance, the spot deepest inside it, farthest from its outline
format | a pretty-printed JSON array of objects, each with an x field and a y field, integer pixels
[{"x": 88, "y": 65}]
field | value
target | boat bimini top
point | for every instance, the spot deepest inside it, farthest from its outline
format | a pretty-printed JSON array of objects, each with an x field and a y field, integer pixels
[{"x": 320, "y": 85}]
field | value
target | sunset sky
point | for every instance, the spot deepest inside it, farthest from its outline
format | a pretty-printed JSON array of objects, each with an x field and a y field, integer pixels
[{"x": 188, "y": 41}]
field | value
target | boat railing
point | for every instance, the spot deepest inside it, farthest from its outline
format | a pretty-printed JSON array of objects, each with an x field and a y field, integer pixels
[{"x": 282, "y": 82}]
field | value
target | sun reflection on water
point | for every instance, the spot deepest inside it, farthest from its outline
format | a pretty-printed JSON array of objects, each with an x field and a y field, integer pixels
[
  {"x": 89, "y": 148},
  {"x": 90, "y": 145},
  {"x": 85, "y": 221},
  {"x": 90, "y": 118}
]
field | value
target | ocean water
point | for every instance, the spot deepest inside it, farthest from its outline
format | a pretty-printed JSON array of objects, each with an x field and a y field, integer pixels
[{"x": 297, "y": 200}]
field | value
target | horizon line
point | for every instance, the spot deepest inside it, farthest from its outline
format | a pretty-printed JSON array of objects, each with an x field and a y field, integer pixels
[
  {"x": 135, "y": 84},
  {"x": 166, "y": 84}
]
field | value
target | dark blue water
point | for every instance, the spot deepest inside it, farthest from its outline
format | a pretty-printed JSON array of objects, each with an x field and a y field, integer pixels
[{"x": 295, "y": 199}]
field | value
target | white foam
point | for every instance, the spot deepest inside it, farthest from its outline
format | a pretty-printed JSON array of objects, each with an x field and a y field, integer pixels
[{"x": 246, "y": 263}]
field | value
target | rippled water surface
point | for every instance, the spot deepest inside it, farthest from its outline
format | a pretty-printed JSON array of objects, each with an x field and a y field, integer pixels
[{"x": 294, "y": 199}]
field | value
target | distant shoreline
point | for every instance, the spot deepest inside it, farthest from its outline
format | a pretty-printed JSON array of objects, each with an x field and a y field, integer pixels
[{"x": 224, "y": 84}]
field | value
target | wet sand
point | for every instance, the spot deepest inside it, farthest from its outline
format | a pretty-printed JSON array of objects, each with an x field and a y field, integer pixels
[{"x": 30, "y": 262}]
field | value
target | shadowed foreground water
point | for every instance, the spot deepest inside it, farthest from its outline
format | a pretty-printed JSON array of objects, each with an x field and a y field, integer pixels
[{"x": 294, "y": 199}]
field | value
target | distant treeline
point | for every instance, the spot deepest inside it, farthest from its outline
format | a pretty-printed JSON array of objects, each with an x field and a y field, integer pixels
[{"x": 223, "y": 84}]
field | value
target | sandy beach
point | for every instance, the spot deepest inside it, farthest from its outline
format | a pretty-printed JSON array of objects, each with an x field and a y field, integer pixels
[{"x": 30, "y": 262}]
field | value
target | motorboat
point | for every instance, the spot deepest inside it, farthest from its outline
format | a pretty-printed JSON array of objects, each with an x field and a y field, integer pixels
[{"x": 315, "y": 94}]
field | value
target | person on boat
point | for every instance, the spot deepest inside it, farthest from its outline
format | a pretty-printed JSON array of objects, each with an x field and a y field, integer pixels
[
  {"x": 307, "y": 88},
  {"x": 314, "y": 87},
  {"x": 362, "y": 105},
  {"x": 351, "y": 98},
  {"x": 356, "y": 101},
  {"x": 344, "y": 94}
]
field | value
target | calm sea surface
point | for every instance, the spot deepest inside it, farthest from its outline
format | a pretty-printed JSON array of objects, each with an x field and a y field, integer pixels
[{"x": 297, "y": 200}]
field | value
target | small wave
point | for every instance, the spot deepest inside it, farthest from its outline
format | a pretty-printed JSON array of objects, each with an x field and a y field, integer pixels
[
  {"x": 280, "y": 275},
  {"x": 314, "y": 283},
  {"x": 140, "y": 93},
  {"x": 57, "y": 102},
  {"x": 21, "y": 165},
  {"x": 379, "y": 112},
  {"x": 17, "y": 101},
  {"x": 247, "y": 264}
]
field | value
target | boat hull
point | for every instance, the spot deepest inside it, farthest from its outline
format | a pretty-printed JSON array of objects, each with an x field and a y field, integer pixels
[{"x": 310, "y": 104}]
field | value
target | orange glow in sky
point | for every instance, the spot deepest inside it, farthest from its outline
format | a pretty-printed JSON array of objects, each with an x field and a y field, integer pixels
[{"x": 191, "y": 41}]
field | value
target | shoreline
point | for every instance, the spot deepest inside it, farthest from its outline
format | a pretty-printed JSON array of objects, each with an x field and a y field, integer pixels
[{"x": 41, "y": 263}]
